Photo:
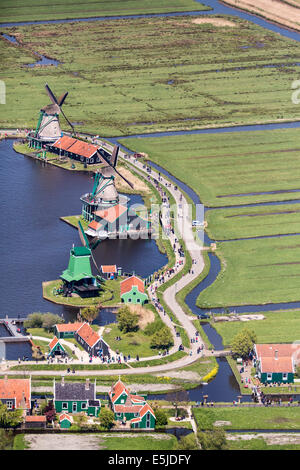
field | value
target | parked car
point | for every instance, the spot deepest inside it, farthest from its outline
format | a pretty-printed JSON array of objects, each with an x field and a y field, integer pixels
[{"x": 203, "y": 316}]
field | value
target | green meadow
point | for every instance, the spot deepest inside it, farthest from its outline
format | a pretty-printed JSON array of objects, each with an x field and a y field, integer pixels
[
  {"x": 276, "y": 327},
  {"x": 34, "y": 10},
  {"x": 151, "y": 74},
  {"x": 255, "y": 272}
]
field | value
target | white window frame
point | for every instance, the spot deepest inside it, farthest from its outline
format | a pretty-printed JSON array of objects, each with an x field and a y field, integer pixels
[
  {"x": 84, "y": 406},
  {"x": 284, "y": 375},
  {"x": 64, "y": 405},
  {"x": 9, "y": 404},
  {"x": 269, "y": 375}
]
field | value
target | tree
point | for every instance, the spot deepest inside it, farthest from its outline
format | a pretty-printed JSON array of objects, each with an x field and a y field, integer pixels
[
  {"x": 188, "y": 442},
  {"x": 213, "y": 440},
  {"x": 161, "y": 417},
  {"x": 50, "y": 412},
  {"x": 34, "y": 320},
  {"x": 6, "y": 440},
  {"x": 127, "y": 321},
  {"x": 242, "y": 343},
  {"x": 9, "y": 418},
  {"x": 49, "y": 320},
  {"x": 107, "y": 418},
  {"x": 90, "y": 313},
  {"x": 162, "y": 339}
]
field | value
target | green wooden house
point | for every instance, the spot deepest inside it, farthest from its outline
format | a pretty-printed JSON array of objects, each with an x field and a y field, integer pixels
[
  {"x": 275, "y": 363},
  {"x": 131, "y": 409},
  {"x": 56, "y": 348},
  {"x": 133, "y": 291},
  {"x": 65, "y": 421},
  {"x": 70, "y": 397},
  {"x": 78, "y": 277},
  {"x": 67, "y": 330}
]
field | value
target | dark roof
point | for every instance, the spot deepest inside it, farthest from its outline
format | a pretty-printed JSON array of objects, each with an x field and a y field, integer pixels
[{"x": 74, "y": 391}]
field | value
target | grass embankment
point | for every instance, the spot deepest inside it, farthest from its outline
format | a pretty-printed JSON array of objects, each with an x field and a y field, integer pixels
[
  {"x": 156, "y": 83},
  {"x": 138, "y": 442},
  {"x": 109, "y": 295},
  {"x": 249, "y": 418},
  {"x": 33, "y": 10}
]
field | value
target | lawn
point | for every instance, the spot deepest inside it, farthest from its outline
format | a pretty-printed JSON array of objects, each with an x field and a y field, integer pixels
[
  {"x": 277, "y": 327},
  {"x": 249, "y": 418},
  {"x": 151, "y": 74},
  {"x": 255, "y": 272},
  {"x": 34, "y": 10},
  {"x": 138, "y": 442}
]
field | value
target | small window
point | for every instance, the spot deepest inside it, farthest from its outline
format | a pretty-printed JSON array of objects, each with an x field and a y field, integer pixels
[
  {"x": 9, "y": 404},
  {"x": 269, "y": 376},
  {"x": 64, "y": 405},
  {"x": 83, "y": 406},
  {"x": 284, "y": 376}
]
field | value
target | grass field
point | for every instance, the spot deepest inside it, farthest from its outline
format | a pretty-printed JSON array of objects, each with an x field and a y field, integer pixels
[
  {"x": 249, "y": 418},
  {"x": 223, "y": 169},
  {"x": 34, "y": 10},
  {"x": 255, "y": 272},
  {"x": 276, "y": 327},
  {"x": 125, "y": 78},
  {"x": 137, "y": 442}
]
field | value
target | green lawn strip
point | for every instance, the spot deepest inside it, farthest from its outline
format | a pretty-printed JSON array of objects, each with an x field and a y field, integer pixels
[
  {"x": 138, "y": 442},
  {"x": 32, "y": 10},
  {"x": 257, "y": 443},
  {"x": 20, "y": 442},
  {"x": 155, "y": 83},
  {"x": 63, "y": 367},
  {"x": 277, "y": 327},
  {"x": 255, "y": 272},
  {"x": 203, "y": 366},
  {"x": 132, "y": 343},
  {"x": 157, "y": 362},
  {"x": 246, "y": 222},
  {"x": 249, "y": 418}
]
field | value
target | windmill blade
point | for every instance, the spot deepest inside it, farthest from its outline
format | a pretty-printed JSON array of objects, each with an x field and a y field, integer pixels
[
  {"x": 114, "y": 156},
  {"x": 51, "y": 94},
  {"x": 118, "y": 173},
  {"x": 62, "y": 98},
  {"x": 83, "y": 236},
  {"x": 70, "y": 124}
]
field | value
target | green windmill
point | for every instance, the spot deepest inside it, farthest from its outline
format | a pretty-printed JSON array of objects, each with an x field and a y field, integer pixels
[{"x": 78, "y": 277}]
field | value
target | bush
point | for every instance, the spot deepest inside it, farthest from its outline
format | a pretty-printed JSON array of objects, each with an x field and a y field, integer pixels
[
  {"x": 127, "y": 321},
  {"x": 107, "y": 418},
  {"x": 162, "y": 339},
  {"x": 161, "y": 417},
  {"x": 153, "y": 327}
]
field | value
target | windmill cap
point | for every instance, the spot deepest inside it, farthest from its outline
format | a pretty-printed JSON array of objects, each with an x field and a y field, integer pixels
[{"x": 81, "y": 251}]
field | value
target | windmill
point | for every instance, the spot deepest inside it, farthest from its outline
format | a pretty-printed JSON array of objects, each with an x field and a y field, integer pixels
[
  {"x": 78, "y": 276},
  {"x": 48, "y": 128},
  {"x": 104, "y": 193}
]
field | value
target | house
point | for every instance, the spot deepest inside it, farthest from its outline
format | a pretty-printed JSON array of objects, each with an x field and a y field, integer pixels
[
  {"x": 131, "y": 408},
  {"x": 35, "y": 422},
  {"x": 91, "y": 341},
  {"x": 16, "y": 393},
  {"x": 56, "y": 348},
  {"x": 276, "y": 363},
  {"x": 66, "y": 330},
  {"x": 65, "y": 421},
  {"x": 133, "y": 291},
  {"x": 76, "y": 150},
  {"x": 109, "y": 271},
  {"x": 72, "y": 397}
]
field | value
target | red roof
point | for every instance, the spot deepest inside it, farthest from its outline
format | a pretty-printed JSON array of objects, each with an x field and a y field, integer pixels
[
  {"x": 112, "y": 213},
  {"x": 118, "y": 389},
  {"x": 283, "y": 350},
  {"x": 145, "y": 409},
  {"x": 16, "y": 389},
  {"x": 63, "y": 327},
  {"x": 94, "y": 225},
  {"x": 79, "y": 147},
  {"x": 282, "y": 364},
  {"x": 128, "y": 283},
  {"x": 109, "y": 268},
  {"x": 35, "y": 418},
  {"x": 53, "y": 342},
  {"x": 88, "y": 335},
  {"x": 128, "y": 409},
  {"x": 65, "y": 416}
]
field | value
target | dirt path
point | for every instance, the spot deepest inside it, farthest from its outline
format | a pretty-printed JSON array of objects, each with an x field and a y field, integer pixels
[
  {"x": 274, "y": 10},
  {"x": 63, "y": 441}
]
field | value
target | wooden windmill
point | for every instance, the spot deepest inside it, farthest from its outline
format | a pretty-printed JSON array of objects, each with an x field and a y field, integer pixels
[
  {"x": 48, "y": 127},
  {"x": 104, "y": 192}
]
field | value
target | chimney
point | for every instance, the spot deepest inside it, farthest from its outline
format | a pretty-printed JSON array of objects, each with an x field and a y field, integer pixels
[
  {"x": 5, "y": 377},
  {"x": 87, "y": 384},
  {"x": 276, "y": 354},
  {"x": 62, "y": 381}
]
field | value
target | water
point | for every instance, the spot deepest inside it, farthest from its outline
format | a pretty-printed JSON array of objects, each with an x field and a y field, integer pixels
[{"x": 35, "y": 244}]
